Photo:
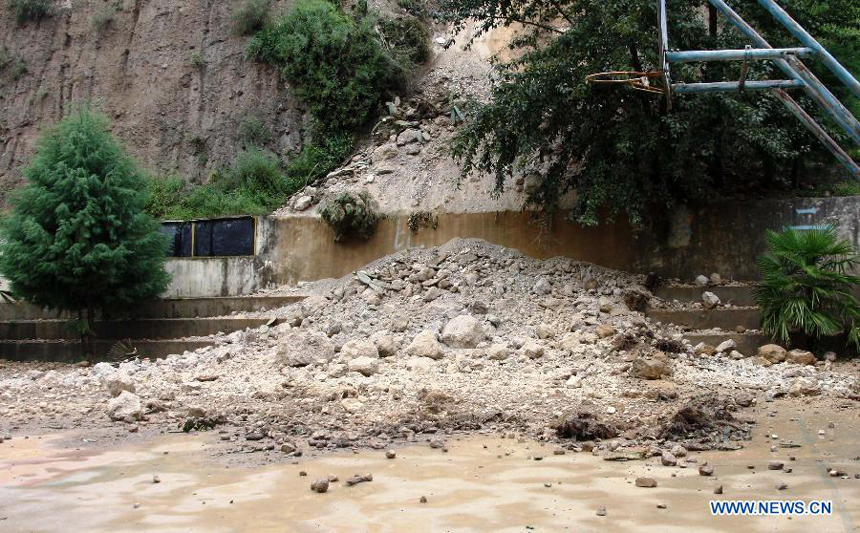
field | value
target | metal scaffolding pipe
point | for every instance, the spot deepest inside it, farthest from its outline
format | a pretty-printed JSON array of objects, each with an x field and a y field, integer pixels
[
  {"x": 736, "y": 55},
  {"x": 728, "y": 86}
]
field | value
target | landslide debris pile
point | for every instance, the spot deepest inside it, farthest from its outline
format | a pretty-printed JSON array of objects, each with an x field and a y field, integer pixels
[{"x": 466, "y": 336}]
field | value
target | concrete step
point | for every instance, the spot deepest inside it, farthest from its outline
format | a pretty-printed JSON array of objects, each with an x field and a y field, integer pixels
[
  {"x": 150, "y": 328},
  {"x": 738, "y": 295},
  {"x": 167, "y": 308},
  {"x": 724, "y": 318},
  {"x": 70, "y": 351}
]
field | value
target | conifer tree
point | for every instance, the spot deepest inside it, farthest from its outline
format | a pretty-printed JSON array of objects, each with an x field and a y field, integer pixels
[{"x": 77, "y": 238}]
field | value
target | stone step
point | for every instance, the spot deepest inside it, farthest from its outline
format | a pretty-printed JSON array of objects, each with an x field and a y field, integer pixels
[
  {"x": 737, "y": 295},
  {"x": 167, "y": 308},
  {"x": 150, "y": 328},
  {"x": 724, "y": 318},
  {"x": 70, "y": 351}
]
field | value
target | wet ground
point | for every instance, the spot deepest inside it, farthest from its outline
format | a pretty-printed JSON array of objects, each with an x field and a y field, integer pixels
[{"x": 481, "y": 484}]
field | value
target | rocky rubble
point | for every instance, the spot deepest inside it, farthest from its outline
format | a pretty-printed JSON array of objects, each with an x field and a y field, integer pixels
[{"x": 506, "y": 343}]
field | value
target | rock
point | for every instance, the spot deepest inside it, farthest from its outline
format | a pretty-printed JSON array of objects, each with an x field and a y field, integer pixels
[
  {"x": 715, "y": 279},
  {"x": 542, "y": 287},
  {"x": 423, "y": 499},
  {"x": 127, "y": 406},
  {"x": 359, "y": 478},
  {"x": 667, "y": 459},
  {"x": 647, "y": 368},
  {"x": 320, "y": 485},
  {"x": 425, "y": 344},
  {"x": 744, "y": 399},
  {"x": 800, "y": 357},
  {"x": 830, "y": 356},
  {"x": 775, "y": 465},
  {"x": 804, "y": 387},
  {"x": 646, "y": 482},
  {"x": 386, "y": 345},
  {"x": 718, "y": 490},
  {"x": 710, "y": 300},
  {"x": 497, "y": 352},
  {"x": 301, "y": 348},
  {"x": 679, "y": 451},
  {"x": 544, "y": 331},
  {"x": 705, "y": 349},
  {"x": 303, "y": 202},
  {"x": 726, "y": 346},
  {"x": 390, "y": 454},
  {"x": 407, "y": 136},
  {"x": 463, "y": 331},
  {"x": 772, "y": 352},
  {"x": 118, "y": 382},
  {"x": 706, "y": 470},
  {"x": 156, "y": 479},
  {"x": 357, "y": 348},
  {"x": 702, "y": 281},
  {"x": 781, "y": 486},
  {"x": 533, "y": 350},
  {"x": 351, "y": 405},
  {"x": 366, "y": 366},
  {"x": 604, "y": 330},
  {"x": 736, "y": 355}
]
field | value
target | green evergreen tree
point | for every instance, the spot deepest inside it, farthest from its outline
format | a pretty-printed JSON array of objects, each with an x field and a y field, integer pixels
[{"x": 77, "y": 238}]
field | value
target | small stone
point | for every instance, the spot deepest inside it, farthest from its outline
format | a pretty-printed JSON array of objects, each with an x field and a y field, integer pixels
[
  {"x": 423, "y": 499},
  {"x": 718, "y": 490},
  {"x": 302, "y": 473},
  {"x": 359, "y": 478},
  {"x": 667, "y": 459},
  {"x": 661, "y": 506},
  {"x": 702, "y": 281},
  {"x": 390, "y": 454},
  {"x": 706, "y": 470},
  {"x": 320, "y": 485},
  {"x": 156, "y": 479},
  {"x": 601, "y": 511},
  {"x": 710, "y": 300},
  {"x": 775, "y": 465},
  {"x": 646, "y": 482},
  {"x": 782, "y": 486}
]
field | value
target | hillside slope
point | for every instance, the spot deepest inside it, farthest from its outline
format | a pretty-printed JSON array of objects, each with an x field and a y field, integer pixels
[{"x": 169, "y": 74}]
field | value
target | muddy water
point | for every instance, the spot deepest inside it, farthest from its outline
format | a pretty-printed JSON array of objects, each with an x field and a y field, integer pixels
[{"x": 481, "y": 484}]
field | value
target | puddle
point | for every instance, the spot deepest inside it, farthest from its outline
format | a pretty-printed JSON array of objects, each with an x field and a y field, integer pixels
[{"x": 481, "y": 484}]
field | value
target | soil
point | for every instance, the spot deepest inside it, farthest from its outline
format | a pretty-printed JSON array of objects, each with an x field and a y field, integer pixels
[{"x": 483, "y": 482}]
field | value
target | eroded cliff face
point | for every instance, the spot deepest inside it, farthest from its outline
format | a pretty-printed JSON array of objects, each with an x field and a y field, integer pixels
[{"x": 169, "y": 74}]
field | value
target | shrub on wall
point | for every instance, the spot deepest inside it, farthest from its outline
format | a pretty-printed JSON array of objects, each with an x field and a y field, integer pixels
[
  {"x": 350, "y": 216},
  {"x": 250, "y": 16}
]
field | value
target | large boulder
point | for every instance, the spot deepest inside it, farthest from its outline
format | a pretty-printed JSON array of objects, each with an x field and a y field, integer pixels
[
  {"x": 800, "y": 357},
  {"x": 301, "y": 348},
  {"x": 127, "y": 407},
  {"x": 425, "y": 344},
  {"x": 359, "y": 348},
  {"x": 772, "y": 352},
  {"x": 463, "y": 331}
]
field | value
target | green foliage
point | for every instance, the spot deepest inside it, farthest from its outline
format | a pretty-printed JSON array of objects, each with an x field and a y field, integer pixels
[
  {"x": 350, "y": 216},
  {"x": 250, "y": 17},
  {"x": 408, "y": 39},
  {"x": 30, "y": 10},
  {"x": 807, "y": 285},
  {"x": 335, "y": 63},
  {"x": 102, "y": 18},
  {"x": 5, "y": 57},
  {"x": 319, "y": 158},
  {"x": 623, "y": 151},
  {"x": 196, "y": 59},
  {"x": 77, "y": 238},
  {"x": 255, "y": 184},
  {"x": 17, "y": 68},
  {"x": 254, "y": 132}
]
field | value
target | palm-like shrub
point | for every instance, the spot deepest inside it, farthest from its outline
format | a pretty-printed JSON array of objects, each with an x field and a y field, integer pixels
[{"x": 807, "y": 284}]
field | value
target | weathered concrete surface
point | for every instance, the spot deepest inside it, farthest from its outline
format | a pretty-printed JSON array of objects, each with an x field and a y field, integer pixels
[
  {"x": 723, "y": 318},
  {"x": 70, "y": 351},
  {"x": 167, "y": 308},
  {"x": 151, "y": 328}
]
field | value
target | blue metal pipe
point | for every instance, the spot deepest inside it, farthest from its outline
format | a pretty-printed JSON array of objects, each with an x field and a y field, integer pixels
[
  {"x": 736, "y": 55},
  {"x": 727, "y": 86},
  {"x": 807, "y": 39},
  {"x": 819, "y": 133},
  {"x": 795, "y": 68}
]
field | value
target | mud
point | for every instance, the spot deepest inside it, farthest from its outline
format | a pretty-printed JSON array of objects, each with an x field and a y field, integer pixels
[{"x": 482, "y": 483}]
